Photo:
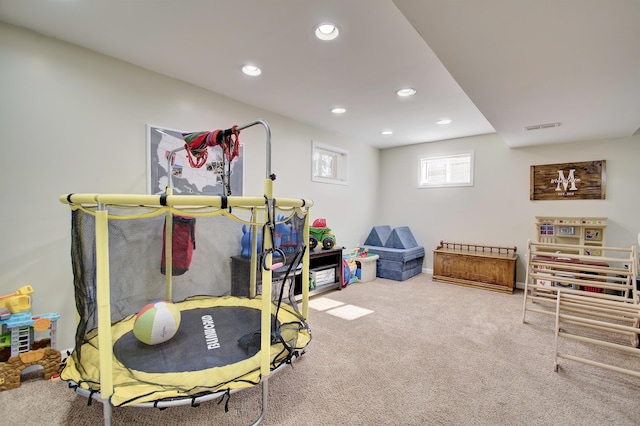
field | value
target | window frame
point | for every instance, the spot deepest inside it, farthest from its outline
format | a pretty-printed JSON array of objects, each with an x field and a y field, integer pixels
[
  {"x": 446, "y": 158},
  {"x": 339, "y": 167}
]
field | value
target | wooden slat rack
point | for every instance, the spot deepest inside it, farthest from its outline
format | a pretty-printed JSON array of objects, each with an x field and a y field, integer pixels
[{"x": 593, "y": 296}]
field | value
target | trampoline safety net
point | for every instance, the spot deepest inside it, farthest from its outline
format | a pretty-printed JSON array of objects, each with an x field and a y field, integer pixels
[{"x": 217, "y": 343}]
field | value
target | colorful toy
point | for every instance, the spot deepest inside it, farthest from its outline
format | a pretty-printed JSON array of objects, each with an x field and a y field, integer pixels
[
  {"x": 320, "y": 233},
  {"x": 350, "y": 267},
  {"x": 19, "y": 348},
  {"x": 286, "y": 239},
  {"x": 157, "y": 322}
]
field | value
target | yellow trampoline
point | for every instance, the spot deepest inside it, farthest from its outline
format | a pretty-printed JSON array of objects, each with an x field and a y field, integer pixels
[{"x": 131, "y": 250}]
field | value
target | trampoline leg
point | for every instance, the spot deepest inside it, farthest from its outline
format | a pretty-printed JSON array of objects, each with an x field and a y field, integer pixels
[
  {"x": 265, "y": 399},
  {"x": 106, "y": 410}
]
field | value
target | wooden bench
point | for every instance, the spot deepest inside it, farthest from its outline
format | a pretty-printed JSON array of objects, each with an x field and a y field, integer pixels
[{"x": 475, "y": 265}]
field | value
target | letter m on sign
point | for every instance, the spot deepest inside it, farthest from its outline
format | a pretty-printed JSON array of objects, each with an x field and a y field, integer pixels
[{"x": 565, "y": 182}]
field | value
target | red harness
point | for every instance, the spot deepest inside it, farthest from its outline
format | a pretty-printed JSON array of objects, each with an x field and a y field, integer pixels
[{"x": 197, "y": 143}]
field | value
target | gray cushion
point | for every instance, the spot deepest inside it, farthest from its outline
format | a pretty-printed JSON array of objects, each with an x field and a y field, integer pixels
[
  {"x": 401, "y": 238},
  {"x": 378, "y": 236}
]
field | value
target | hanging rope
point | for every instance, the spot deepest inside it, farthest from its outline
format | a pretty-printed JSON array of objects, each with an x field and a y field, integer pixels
[
  {"x": 196, "y": 144},
  {"x": 231, "y": 143}
]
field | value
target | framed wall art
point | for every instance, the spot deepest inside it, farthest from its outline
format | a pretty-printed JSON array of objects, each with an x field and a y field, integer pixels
[
  {"x": 569, "y": 181},
  {"x": 215, "y": 177}
]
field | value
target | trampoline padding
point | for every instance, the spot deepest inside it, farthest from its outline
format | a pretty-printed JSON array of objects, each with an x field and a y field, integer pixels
[{"x": 192, "y": 361}]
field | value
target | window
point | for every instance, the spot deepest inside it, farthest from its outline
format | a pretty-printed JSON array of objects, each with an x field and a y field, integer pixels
[
  {"x": 328, "y": 164},
  {"x": 446, "y": 170}
]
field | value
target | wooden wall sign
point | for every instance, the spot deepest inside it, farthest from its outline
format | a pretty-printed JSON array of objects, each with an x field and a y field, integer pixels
[{"x": 569, "y": 181}]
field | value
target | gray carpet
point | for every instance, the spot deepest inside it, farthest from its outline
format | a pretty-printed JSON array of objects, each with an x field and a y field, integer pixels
[{"x": 429, "y": 354}]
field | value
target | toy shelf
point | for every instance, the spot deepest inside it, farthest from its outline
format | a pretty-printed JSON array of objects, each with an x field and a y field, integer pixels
[
  {"x": 587, "y": 232},
  {"x": 319, "y": 260}
]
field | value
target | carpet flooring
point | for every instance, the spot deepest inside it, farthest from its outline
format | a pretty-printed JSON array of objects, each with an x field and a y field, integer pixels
[{"x": 415, "y": 352}]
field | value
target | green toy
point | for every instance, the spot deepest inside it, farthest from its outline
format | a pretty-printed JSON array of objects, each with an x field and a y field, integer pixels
[{"x": 320, "y": 233}]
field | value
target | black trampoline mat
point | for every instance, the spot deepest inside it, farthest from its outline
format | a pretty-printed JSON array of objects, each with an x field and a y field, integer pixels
[{"x": 188, "y": 350}]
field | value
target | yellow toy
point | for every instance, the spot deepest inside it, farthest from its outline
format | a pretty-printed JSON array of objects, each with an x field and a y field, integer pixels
[{"x": 18, "y": 302}]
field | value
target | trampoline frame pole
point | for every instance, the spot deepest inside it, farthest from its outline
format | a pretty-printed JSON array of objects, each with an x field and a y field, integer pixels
[
  {"x": 168, "y": 251},
  {"x": 265, "y": 401},
  {"x": 104, "y": 310},
  {"x": 178, "y": 200},
  {"x": 267, "y": 130},
  {"x": 253, "y": 255},
  {"x": 305, "y": 269},
  {"x": 265, "y": 321},
  {"x": 107, "y": 412}
]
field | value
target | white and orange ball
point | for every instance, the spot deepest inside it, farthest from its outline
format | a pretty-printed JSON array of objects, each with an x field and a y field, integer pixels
[{"x": 156, "y": 322}]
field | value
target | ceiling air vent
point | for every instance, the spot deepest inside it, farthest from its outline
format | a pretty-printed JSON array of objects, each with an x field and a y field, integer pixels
[{"x": 541, "y": 126}]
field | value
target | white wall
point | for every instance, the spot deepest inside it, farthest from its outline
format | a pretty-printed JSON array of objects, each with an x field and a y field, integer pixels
[
  {"x": 75, "y": 121},
  {"x": 497, "y": 209}
]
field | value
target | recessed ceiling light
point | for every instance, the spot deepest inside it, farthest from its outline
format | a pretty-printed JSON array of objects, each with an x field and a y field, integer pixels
[
  {"x": 327, "y": 31},
  {"x": 386, "y": 132},
  {"x": 408, "y": 91},
  {"x": 251, "y": 70},
  {"x": 444, "y": 121},
  {"x": 338, "y": 110}
]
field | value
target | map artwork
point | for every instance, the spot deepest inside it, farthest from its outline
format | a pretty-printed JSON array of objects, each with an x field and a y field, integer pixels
[{"x": 215, "y": 177}]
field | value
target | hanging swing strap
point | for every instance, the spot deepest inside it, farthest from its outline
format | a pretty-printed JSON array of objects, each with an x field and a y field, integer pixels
[
  {"x": 270, "y": 226},
  {"x": 230, "y": 141},
  {"x": 293, "y": 266}
]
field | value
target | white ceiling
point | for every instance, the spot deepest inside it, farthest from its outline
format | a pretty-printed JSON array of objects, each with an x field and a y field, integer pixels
[{"x": 490, "y": 65}]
